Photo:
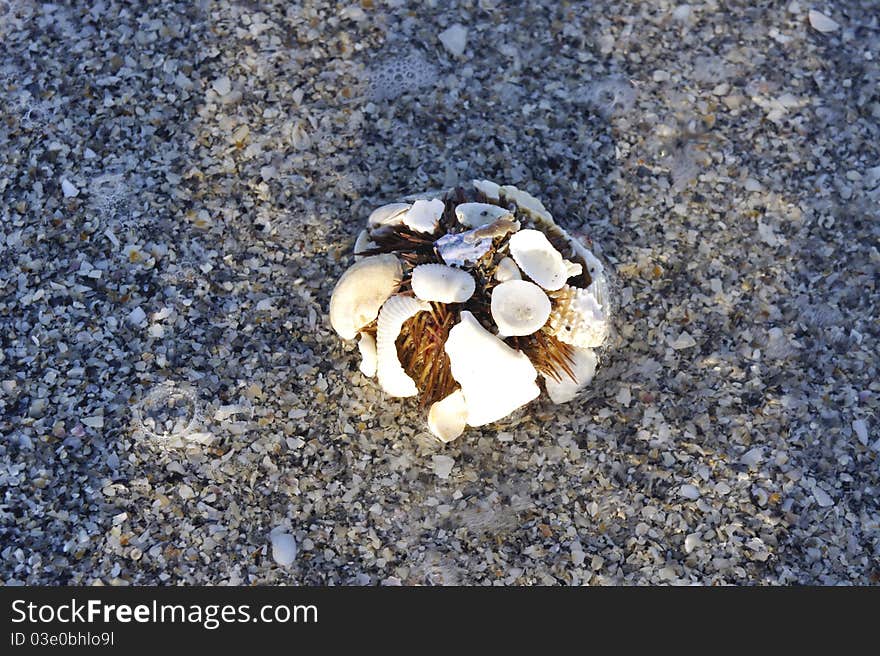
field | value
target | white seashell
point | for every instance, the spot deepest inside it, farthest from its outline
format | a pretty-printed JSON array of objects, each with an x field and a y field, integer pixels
[
  {"x": 361, "y": 291},
  {"x": 447, "y": 418},
  {"x": 362, "y": 243},
  {"x": 495, "y": 379},
  {"x": 527, "y": 203},
  {"x": 507, "y": 270},
  {"x": 441, "y": 283},
  {"x": 519, "y": 307},
  {"x": 584, "y": 368},
  {"x": 391, "y": 214},
  {"x": 474, "y": 215},
  {"x": 367, "y": 347},
  {"x": 540, "y": 261},
  {"x": 424, "y": 215},
  {"x": 491, "y": 190},
  {"x": 394, "y": 313},
  {"x": 462, "y": 248},
  {"x": 578, "y": 318}
]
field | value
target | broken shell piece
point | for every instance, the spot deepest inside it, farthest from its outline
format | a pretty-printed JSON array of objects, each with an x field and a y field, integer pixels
[
  {"x": 447, "y": 418},
  {"x": 424, "y": 215},
  {"x": 361, "y": 291},
  {"x": 491, "y": 190},
  {"x": 495, "y": 379},
  {"x": 498, "y": 228},
  {"x": 362, "y": 243},
  {"x": 461, "y": 249},
  {"x": 583, "y": 367},
  {"x": 367, "y": 347},
  {"x": 441, "y": 283},
  {"x": 507, "y": 270},
  {"x": 474, "y": 215},
  {"x": 527, "y": 203},
  {"x": 391, "y": 214},
  {"x": 519, "y": 307},
  {"x": 540, "y": 261},
  {"x": 578, "y": 318},
  {"x": 392, "y": 378}
]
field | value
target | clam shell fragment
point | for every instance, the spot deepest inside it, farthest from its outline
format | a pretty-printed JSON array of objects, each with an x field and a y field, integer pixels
[
  {"x": 540, "y": 261},
  {"x": 392, "y": 378},
  {"x": 391, "y": 214},
  {"x": 495, "y": 379},
  {"x": 474, "y": 215},
  {"x": 367, "y": 347},
  {"x": 441, "y": 283},
  {"x": 507, "y": 270},
  {"x": 424, "y": 215},
  {"x": 361, "y": 291}
]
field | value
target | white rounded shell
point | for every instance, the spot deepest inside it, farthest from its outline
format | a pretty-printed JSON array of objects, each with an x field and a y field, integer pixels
[
  {"x": 392, "y": 377},
  {"x": 584, "y": 368},
  {"x": 495, "y": 379},
  {"x": 540, "y": 261},
  {"x": 441, "y": 283},
  {"x": 424, "y": 215},
  {"x": 361, "y": 291},
  {"x": 474, "y": 215},
  {"x": 447, "y": 418},
  {"x": 519, "y": 307},
  {"x": 391, "y": 214},
  {"x": 507, "y": 270}
]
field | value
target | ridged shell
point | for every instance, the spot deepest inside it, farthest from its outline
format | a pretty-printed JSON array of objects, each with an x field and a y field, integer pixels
[
  {"x": 394, "y": 313},
  {"x": 540, "y": 261},
  {"x": 495, "y": 379},
  {"x": 390, "y": 214},
  {"x": 367, "y": 347},
  {"x": 474, "y": 215},
  {"x": 441, "y": 283},
  {"x": 519, "y": 307},
  {"x": 578, "y": 318},
  {"x": 361, "y": 291},
  {"x": 584, "y": 368},
  {"x": 507, "y": 270},
  {"x": 447, "y": 418},
  {"x": 424, "y": 215}
]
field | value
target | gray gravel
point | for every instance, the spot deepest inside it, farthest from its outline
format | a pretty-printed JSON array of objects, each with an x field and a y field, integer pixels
[{"x": 182, "y": 183}]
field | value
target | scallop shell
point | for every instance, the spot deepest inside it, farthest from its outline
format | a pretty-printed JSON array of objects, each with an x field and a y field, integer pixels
[
  {"x": 424, "y": 215},
  {"x": 474, "y": 215},
  {"x": 578, "y": 318},
  {"x": 394, "y": 313},
  {"x": 491, "y": 190},
  {"x": 540, "y": 261},
  {"x": 361, "y": 291},
  {"x": 583, "y": 367},
  {"x": 367, "y": 347},
  {"x": 441, "y": 283},
  {"x": 447, "y": 418},
  {"x": 495, "y": 379},
  {"x": 507, "y": 270},
  {"x": 519, "y": 307},
  {"x": 391, "y": 214}
]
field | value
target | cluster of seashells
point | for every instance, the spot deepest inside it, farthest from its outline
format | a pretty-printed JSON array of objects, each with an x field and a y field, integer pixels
[{"x": 475, "y": 301}]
